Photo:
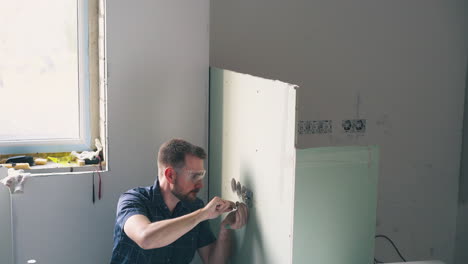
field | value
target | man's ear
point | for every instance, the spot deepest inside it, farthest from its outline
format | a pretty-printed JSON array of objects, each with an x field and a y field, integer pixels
[{"x": 170, "y": 175}]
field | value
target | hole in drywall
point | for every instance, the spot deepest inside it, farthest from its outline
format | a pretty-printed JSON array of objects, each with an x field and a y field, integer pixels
[{"x": 233, "y": 185}]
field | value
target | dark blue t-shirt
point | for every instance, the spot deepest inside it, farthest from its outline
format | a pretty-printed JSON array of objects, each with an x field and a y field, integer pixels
[{"x": 148, "y": 201}]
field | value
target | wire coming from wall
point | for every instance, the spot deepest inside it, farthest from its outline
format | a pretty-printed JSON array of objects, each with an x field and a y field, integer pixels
[{"x": 394, "y": 246}]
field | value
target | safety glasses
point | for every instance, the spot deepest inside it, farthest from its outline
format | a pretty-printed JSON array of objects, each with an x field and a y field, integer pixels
[{"x": 193, "y": 175}]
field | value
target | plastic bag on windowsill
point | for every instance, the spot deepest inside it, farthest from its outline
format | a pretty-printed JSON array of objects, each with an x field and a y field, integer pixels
[
  {"x": 15, "y": 179},
  {"x": 88, "y": 154}
]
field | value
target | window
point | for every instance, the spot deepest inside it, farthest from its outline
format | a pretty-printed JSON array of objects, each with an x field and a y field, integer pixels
[{"x": 52, "y": 76}]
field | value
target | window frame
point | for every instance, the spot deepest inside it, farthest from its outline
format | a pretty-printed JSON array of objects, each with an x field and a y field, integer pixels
[
  {"x": 95, "y": 62},
  {"x": 89, "y": 90}
]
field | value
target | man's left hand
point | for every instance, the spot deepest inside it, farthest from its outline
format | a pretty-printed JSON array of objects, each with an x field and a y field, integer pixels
[{"x": 236, "y": 219}]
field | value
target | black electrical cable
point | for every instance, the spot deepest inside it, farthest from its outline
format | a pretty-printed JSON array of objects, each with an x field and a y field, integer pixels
[{"x": 393, "y": 244}]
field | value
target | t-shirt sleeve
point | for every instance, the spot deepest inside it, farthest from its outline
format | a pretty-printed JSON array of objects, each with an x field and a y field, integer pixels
[
  {"x": 129, "y": 204},
  {"x": 206, "y": 236}
]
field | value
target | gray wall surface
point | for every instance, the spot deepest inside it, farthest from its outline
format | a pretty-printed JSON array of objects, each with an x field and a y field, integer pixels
[
  {"x": 6, "y": 242},
  {"x": 461, "y": 252},
  {"x": 158, "y": 89},
  {"x": 398, "y": 64}
]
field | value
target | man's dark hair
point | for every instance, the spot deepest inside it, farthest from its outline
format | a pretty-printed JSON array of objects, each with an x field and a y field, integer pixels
[{"x": 172, "y": 153}]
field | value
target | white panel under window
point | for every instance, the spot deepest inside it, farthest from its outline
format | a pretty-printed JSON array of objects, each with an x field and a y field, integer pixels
[{"x": 39, "y": 89}]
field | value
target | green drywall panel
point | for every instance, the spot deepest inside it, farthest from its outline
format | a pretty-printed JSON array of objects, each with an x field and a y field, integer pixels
[
  {"x": 252, "y": 140},
  {"x": 335, "y": 205},
  {"x": 309, "y": 206}
]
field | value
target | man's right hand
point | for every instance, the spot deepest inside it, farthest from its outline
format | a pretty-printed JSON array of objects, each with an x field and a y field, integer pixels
[{"x": 216, "y": 207}]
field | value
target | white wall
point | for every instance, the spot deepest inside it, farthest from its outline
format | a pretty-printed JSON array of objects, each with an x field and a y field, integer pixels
[
  {"x": 399, "y": 64},
  {"x": 158, "y": 87}
]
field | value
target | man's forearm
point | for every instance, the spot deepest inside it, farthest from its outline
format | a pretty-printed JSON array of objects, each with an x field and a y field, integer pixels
[
  {"x": 223, "y": 247},
  {"x": 163, "y": 233}
]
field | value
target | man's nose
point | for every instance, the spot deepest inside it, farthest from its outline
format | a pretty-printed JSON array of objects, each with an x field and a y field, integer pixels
[{"x": 199, "y": 184}]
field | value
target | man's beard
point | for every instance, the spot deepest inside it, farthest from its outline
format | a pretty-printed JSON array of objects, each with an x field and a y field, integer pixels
[{"x": 188, "y": 197}]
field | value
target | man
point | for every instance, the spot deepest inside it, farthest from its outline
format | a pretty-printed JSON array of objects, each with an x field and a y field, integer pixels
[{"x": 166, "y": 222}]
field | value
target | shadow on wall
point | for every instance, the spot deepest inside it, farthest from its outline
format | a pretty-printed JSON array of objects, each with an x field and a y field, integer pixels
[{"x": 249, "y": 240}]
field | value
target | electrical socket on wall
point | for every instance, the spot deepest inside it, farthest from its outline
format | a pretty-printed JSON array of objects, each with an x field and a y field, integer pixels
[
  {"x": 326, "y": 126},
  {"x": 315, "y": 127},
  {"x": 354, "y": 125}
]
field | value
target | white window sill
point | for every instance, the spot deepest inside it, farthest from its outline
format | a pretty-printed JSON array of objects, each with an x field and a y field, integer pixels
[{"x": 52, "y": 168}]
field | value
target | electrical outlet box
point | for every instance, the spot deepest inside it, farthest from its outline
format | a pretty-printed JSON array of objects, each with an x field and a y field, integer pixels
[
  {"x": 315, "y": 127},
  {"x": 354, "y": 125}
]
